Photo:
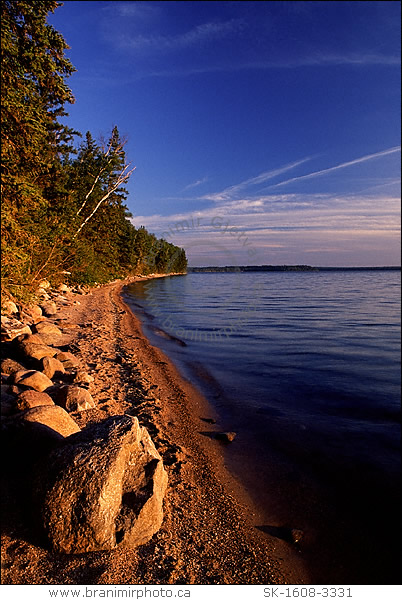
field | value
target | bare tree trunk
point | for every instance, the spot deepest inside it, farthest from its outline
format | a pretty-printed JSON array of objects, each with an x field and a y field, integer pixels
[{"x": 121, "y": 179}]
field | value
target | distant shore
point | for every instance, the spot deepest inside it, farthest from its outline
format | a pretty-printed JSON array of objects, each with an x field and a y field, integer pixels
[{"x": 281, "y": 268}]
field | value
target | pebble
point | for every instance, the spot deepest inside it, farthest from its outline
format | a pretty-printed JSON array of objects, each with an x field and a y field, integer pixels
[{"x": 226, "y": 436}]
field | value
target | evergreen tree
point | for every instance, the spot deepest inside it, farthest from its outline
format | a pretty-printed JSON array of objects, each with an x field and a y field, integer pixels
[{"x": 33, "y": 95}]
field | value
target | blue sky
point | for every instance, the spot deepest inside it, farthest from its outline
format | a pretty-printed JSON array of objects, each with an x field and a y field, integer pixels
[{"x": 261, "y": 132}]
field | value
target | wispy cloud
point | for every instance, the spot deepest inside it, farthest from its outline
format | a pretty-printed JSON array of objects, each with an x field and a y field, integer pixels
[
  {"x": 363, "y": 59},
  {"x": 197, "y": 35},
  {"x": 350, "y": 163},
  {"x": 314, "y": 60},
  {"x": 195, "y": 184},
  {"x": 138, "y": 10},
  {"x": 233, "y": 190}
]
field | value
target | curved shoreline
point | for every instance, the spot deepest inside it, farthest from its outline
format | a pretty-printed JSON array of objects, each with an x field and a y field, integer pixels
[{"x": 208, "y": 535}]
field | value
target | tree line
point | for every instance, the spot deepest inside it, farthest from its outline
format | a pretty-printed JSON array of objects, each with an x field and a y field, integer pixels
[{"x": 64, "y": 213}]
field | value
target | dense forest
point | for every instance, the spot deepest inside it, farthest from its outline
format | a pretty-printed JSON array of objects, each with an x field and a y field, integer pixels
[{"x": 64, "y": 215}]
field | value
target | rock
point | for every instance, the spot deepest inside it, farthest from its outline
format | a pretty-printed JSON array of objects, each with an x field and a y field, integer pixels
[
  {"x": 24, "y": 443},
  {"x": 51, "y": 339},
  {"x": 61, "y": 299},
  {"x": 51, "y": 367},
  {"x": 35, "y": 350},
  {"x": 9, "y": 308},
  {"x": 10, "y": 366},
  {"x": 44, "y": 284},
  {"x": 226, "y": 436},
  {"x": 45, "y": 328},
  {"x": 33, "y": 338},
  {"x": 49, "y": 308},
  {"x": 63, "y": 288},
  {"x": 69, "y": 360},
  {"x": 32, "y": 398},
  {"x": 296, "y": 535},
  {"x": 101, "y": 488},
  {"x": 84, "y": 378},
  {"x": 43, "y": 294},
  {"x": 15, "y": 329},
  {"x": 74, "y": 398},
  {"x": 32, "y": 312},
  {"x": 53, "y": 417},
  {"x": 32, "y": 379},
  {"x": 48, "y": 339}
]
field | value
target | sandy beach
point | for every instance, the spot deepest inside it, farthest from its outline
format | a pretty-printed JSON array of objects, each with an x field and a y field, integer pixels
[{"x": 209, "y": 533}]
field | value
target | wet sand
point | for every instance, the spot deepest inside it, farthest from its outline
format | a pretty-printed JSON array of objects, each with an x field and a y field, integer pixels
[{"x": 211, "y": 532}]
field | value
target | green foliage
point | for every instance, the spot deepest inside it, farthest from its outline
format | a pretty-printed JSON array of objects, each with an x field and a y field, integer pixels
[{"x": 62, "y": 209}]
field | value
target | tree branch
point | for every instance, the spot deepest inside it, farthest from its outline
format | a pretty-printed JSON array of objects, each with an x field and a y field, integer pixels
[{"x": 122, "y": 178}]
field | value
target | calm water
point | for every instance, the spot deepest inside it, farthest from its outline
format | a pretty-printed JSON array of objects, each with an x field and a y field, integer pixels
[{"x": 305, "y": 367}]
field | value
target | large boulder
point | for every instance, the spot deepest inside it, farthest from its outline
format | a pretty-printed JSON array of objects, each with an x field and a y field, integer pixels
[
  {"x": 102, "y": 487},
  {"x": 33, "y": 379},
  {"x": 74, "y": 398}
]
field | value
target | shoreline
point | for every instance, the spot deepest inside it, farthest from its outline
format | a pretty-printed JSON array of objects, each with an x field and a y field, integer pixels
[{"x": 208, "y": 535}]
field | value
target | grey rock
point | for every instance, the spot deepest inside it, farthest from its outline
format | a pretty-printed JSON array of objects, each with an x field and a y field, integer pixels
[{"x": 102, "y": 487}]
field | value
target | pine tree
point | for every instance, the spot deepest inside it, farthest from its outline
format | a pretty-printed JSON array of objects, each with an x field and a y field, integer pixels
[{"x": 33, "y": 96}]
